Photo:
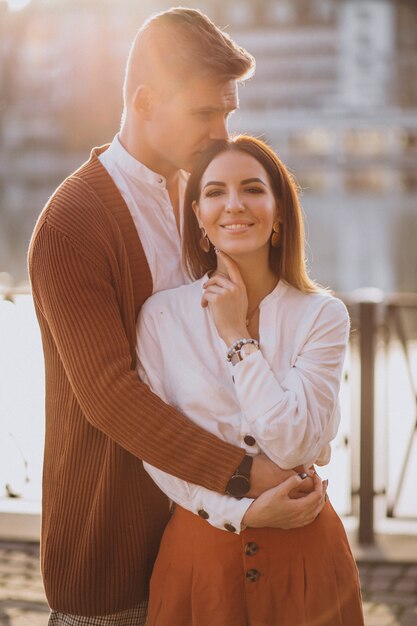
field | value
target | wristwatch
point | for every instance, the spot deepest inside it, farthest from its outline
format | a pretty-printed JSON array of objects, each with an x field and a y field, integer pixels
[{"x": 239, "y": 484}]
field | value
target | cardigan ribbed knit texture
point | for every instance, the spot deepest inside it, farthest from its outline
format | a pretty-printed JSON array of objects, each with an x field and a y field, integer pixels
[{"x": 102, "y": 515}]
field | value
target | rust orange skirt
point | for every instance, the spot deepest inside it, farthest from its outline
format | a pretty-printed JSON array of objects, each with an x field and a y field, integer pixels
[{"x": 263, "y": 577}]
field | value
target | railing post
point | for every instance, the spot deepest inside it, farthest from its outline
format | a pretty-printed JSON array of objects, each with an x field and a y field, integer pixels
[{"x": 367, "y": 325}]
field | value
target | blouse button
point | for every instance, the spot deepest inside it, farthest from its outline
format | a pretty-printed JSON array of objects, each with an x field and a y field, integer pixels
[
  {"x": 252, "y": 575},
  {"x": 230, "y": 527},
  {"x": 202, "y": 513},
  {"x": 251, "y": 548},
  {"x": 249, "y": 440}
]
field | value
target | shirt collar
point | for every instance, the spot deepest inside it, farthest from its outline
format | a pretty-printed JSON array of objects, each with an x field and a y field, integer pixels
[{"x": 131, "y": 166}]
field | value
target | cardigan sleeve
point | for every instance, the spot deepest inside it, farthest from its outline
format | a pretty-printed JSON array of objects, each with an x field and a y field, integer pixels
[
  {"x": 77, "y": 298},
  {"x": 294, "y": 418}
]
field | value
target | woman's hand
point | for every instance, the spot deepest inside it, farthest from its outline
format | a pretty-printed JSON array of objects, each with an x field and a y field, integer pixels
[
  {"x": 276, "y": 509},
  {"x": 226, "y": 297}
]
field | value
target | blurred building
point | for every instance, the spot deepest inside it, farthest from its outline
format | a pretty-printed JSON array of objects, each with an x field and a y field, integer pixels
[{"x": 333, "y": 93}]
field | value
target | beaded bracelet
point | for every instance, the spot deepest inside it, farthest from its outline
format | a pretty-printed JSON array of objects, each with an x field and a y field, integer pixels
[{"x": 238, "y": 344}]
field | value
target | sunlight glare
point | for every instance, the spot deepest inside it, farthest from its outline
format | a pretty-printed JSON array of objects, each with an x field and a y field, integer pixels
[{"x": 17, "y": 5}]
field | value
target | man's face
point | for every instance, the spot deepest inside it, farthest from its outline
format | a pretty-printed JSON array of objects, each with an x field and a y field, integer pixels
[{"x": 185, "y": 123}]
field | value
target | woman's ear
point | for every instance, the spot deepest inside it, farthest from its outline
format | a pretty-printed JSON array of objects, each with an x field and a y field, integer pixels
[
  {"x": 278, "y": 214},
  {"x": 196, "y": 210}
]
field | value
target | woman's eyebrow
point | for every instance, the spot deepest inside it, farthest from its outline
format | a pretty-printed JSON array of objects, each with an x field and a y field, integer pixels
[
  {"x": 242, "y": 182},
  {"x": 214, "y": 182},
  {"x": 252, "y": 180}
]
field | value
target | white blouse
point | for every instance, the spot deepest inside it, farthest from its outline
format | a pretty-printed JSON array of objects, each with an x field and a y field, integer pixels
[{"x": 285, "y": 395}]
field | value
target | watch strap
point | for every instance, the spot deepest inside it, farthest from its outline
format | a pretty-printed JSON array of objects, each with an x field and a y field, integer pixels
[{"x": 239, "y": 484}]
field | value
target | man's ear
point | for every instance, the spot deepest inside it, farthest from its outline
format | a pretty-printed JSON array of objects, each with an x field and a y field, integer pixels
[{"x": 142, "y": 101}]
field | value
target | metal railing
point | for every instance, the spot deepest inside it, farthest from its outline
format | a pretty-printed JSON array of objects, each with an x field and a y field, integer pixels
[{"x": 379, "y": 319}]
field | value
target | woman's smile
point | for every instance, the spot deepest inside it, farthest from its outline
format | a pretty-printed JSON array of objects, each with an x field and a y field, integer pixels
[{"x": 236, "y": 228}]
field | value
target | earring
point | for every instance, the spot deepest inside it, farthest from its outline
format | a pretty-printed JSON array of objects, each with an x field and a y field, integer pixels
[
  {"x": 204, "y": 241},
  {"x": 275, "y": 235}
]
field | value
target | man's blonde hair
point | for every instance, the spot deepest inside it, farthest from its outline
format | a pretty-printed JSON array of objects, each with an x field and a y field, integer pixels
[{"x": 179, "y": 44}]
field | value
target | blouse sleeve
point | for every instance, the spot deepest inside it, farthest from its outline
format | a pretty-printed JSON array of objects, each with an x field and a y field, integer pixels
[
  {"x": 295, "y": 418},
  {"x": 222, "y": 511}
]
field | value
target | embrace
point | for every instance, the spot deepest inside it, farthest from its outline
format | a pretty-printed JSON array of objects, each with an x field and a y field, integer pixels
[{"x": 192, "y": 366}]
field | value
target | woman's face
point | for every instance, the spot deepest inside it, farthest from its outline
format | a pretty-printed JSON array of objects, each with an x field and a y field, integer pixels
[{"x": 237, "y": 207}]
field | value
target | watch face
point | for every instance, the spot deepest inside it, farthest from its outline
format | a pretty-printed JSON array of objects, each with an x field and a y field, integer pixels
[{"x": 238, "y": 486}]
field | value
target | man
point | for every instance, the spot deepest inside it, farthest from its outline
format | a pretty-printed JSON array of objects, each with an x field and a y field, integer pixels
[{"x": 106, "y": 240}]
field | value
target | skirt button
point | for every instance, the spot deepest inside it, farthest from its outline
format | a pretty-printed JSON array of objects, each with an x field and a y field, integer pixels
[
  {"x": 252, "y": 575},
  {"x": 251, "y": 548}
]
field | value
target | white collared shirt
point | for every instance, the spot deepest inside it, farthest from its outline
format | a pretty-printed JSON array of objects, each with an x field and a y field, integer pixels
[
  {"x": 147, "y": 199},
  {"x": 285, "y": 395}
]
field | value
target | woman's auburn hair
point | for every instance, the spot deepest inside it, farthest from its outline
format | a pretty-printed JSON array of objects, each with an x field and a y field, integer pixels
[{"x": 288, "y": 259}]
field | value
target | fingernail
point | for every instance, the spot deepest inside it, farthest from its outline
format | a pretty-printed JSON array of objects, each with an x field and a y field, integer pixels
[
  {"x": 204, "y": 285},
  {"x": 303, "y": 475}
]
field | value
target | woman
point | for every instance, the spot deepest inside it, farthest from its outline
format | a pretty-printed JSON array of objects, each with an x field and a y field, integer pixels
[{"x": 253, "y": 351}]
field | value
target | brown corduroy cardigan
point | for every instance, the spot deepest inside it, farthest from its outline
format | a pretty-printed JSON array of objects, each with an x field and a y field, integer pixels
[{"x": 102, "y": 515}]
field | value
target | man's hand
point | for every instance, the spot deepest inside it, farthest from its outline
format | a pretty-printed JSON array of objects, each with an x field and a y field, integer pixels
[
  {"x": 275, "y": 508},
  {"x": 265, "y": 475}
]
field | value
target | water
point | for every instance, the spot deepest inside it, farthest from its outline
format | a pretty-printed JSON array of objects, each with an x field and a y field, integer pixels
[{"x": 22, "y": 418}]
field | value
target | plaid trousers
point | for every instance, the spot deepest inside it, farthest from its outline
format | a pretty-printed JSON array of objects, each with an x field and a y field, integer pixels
[{"x": 130, "y": 617}]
